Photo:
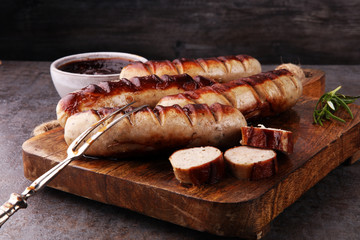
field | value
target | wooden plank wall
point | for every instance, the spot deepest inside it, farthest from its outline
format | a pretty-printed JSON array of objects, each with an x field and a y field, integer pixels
[{"x": 306, "y": 32}]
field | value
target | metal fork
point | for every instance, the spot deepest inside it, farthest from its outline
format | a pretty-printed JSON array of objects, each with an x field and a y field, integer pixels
[{"x": 17, "y": 201}]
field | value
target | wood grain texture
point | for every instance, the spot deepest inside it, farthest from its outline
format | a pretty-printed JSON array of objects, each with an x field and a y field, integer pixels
[
  {"x": 148, "y": 185},
  {"x": 310, "y": 32},
  {"x": 353, "y": 159},
  {"x": 314, "y": 84}
]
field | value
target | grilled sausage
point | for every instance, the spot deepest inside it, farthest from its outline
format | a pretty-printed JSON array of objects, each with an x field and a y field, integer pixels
[
  {"x": 144, "y": 90},
  {"x": 170, "y": 127},
  {"x": 259, "y": 95},
  {"x": 221, "y": 69},
  {"x": 268, "y": 138}
]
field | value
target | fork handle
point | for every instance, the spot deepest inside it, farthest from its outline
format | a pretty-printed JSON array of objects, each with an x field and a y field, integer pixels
[{"x": 15, "y": 202}]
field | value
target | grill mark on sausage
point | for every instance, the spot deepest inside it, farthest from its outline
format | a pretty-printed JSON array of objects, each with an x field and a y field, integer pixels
[
  {"x": 180, "y": 109},
  {"x": 187, "y": 114},
  {"x": 96, "y": 113},
  {"x": 104, "y": 86},
  {"x": 209, "y": 90},
  {"x": 171, "y": 65},
  {"x": 283, "y": 73},
  {"x": 178, "y": 64},
  {"x": 281, "y": 90},
  {"x": 217, "y": 59},
  {"x": 213, "y": 108},
  {"x": 156, "y": 112},
  {"x": 242, "y": 59},
  {"x": 220, "y": 89},
  {"x": 71, "y": 102},
  {"x": 281, "y": 85},
  {"x": 198, "y": 61},
  {"x": 102, "y": 112},
  {"x": 223, "y": 60},
  {"x": 147, "y": 66},
  {"x": 203, "y": 81},
  {"x": 181, "y": 61},
  {"x": 275, "y": 102},
  {"x": 222, "y": 63},
  {"x": 176, "y": 67},
  {"x": 292, "y": 78},
  {"x": 187, "y": 97},
  {"x": 164, "y": 82},
  {"x": 191, "y": 96},
  {"x": 253, "y": 81},
  {"x": 131, "y": 117},
  {"x": 156, "y": 66},
  {"x": 262, "y": 101},
  {"x": 293, "y": 82},
  {"x": 196, "y": 109},
  {"x": 155, "y": 115},
  {"x": 141, "y": 83},
  {"x": 162, "y": 111}
]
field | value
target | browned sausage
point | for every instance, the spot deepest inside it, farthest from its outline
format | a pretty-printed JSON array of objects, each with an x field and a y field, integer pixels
[
  {"x": 259, "y": 95},
  {"x": 221, "y": 69},
  {"x": 170, "y": 127},
  {"x": 144, "y": 90}
]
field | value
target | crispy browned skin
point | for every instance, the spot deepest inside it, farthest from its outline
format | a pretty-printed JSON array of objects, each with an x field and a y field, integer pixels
[
  {"x": 144, "y": 90},
  {"x": 264, "y": 169},
  {"x": 221, "y": 69},
  {"x": 170, "y": 127},
  {"x": 260, "y": 95},
  {"x": 208, "y": 173},
  {"x": 268, "y": 138}
]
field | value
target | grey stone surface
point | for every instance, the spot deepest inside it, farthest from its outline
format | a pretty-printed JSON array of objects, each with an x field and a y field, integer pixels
[{"x": 329, "y": 210}]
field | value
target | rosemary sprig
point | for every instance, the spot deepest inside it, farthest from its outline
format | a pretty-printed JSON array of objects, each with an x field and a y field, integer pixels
[{"x": 329, "y": 103}]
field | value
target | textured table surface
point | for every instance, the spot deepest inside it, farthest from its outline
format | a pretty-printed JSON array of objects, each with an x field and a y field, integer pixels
[{"x": 329, "y": 210}]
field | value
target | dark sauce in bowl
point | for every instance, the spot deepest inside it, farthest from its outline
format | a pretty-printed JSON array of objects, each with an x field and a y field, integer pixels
[{"x": 96, "y": 66}]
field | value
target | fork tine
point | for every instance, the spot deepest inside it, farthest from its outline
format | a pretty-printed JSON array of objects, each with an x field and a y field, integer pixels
[
  {"x": 83, "y": 135},
  {"x": 18, "y": 201},
  {"x": 46, "y": 177},
  {"x": 87, "y": 144}
]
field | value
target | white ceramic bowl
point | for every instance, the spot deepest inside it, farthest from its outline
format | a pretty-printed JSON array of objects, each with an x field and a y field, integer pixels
[{"x": 66, "y": 82}]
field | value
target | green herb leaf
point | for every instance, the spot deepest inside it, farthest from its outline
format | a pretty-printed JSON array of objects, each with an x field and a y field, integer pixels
[{"x": 329, "y": 103}]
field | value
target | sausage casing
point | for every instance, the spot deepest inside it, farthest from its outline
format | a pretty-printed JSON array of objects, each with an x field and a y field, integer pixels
[
  {"x": 171, "y": 127},
  {"x": 260, "y": 95},
  {"x": 221, "y": 69},
  {"x": 143, "y": 90}
]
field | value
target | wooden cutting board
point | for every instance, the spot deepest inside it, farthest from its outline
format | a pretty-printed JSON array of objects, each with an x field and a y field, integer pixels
[{"x": 229, "y": 208}]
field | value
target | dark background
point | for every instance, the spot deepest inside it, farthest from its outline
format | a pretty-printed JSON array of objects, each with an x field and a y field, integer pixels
[{"x": 305, "y": 32}]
